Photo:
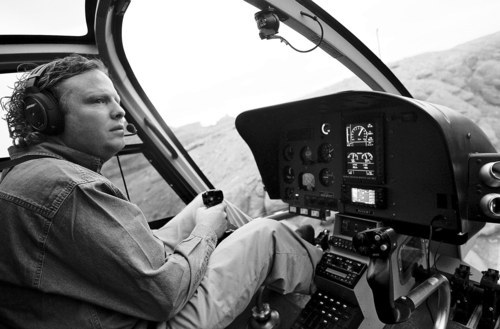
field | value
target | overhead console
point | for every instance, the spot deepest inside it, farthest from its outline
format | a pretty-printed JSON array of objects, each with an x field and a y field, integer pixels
[{"x": 376, "y": 156}]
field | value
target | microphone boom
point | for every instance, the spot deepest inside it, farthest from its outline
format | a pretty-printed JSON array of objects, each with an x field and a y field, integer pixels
[{"x": 131, "y": 129}]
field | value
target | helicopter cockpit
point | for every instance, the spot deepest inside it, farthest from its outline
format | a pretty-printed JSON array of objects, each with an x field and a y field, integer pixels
[{"x": 281, "y": 106}]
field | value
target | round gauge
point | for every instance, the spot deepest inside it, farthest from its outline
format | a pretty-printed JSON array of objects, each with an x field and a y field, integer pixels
[
  {"x": 326, "y": 177},
  {"x": 306, "y": 154},
  {"x": 325, "y": 152},
  {"x": 359, "y": 134},
  {"x": 288, "y": 174},
  {"x": 367, "y": 157},
  {"x": 289, "y": 193},
  {"x": 353, "y": 157},
  {"x": 288, "y": 152}
]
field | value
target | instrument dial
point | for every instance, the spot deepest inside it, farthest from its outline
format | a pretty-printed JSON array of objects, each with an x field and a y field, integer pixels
[
  {"x": 358, "y": 134},
  {"x": 289, "y": 193},
  {"x": 353, "y": 157},
  {"x": 288, "y": 152},
  {"x": 325, "y": 152},
  {"x": 367, "y": 157},
  {"x": 288, "y": 174},
  {"x": 326, "y": 177},
  {"x": 306, "y": 155}
]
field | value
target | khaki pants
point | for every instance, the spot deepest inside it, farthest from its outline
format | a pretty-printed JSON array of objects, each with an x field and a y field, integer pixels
[{"x": 261, "y": 251}]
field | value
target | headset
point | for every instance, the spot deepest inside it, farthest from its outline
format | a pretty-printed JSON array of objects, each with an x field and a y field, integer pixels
[{"x": 41, "y": 107}]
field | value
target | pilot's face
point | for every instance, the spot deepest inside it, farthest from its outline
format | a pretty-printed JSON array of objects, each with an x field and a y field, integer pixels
[{"x": 93, "y": 118}]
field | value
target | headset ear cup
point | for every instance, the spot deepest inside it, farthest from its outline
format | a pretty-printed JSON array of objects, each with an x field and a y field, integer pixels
[{"x": 43, "y": 114}]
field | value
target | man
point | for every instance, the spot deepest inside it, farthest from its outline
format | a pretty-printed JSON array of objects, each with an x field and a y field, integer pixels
[{"x": 76, "y": 254}]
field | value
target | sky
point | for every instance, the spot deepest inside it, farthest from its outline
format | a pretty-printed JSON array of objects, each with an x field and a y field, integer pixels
[
  {"x": 406, "y": 28},
  {"x": 207, "y": 60}
]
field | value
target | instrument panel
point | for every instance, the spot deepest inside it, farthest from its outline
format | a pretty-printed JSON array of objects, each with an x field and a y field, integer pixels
[
  {"x": 368, "y": 154},
  {"x": 336, "y": 158}
]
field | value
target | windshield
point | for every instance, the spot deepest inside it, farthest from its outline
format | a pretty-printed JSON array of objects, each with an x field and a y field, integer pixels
[
  {"x": 218, "y": 67},
  {"x": 202, "y": 65},
  {"x": 219, "y": 57}
]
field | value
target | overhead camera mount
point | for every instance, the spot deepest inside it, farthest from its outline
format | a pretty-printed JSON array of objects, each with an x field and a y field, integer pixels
[{"x": 268, "y": 23}]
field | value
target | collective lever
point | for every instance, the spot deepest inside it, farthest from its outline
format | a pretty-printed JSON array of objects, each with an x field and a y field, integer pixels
[{"x": 379, "y": 244}]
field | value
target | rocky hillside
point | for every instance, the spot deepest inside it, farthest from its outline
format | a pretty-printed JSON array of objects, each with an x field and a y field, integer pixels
[{"x": 465, "y": 78}]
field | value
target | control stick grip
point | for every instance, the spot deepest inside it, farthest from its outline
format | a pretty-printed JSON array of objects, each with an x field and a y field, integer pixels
[{"x": 212, "y": 197}]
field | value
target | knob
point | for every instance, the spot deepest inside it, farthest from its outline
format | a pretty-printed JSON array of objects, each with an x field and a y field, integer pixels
[
  {"x": 490, "y": 205},
  {"x": 490, "y": 174}
]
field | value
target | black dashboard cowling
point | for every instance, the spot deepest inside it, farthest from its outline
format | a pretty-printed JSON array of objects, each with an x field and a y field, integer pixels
[{"x": 371, "y": 154}]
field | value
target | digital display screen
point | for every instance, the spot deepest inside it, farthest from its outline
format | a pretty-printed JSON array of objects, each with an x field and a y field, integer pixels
[
  {"x": 365, "y": 196},
  {"x": 332, "y": 271},
  {"x": 360, "y": 149},
  {"x": 350, "y": 227}
]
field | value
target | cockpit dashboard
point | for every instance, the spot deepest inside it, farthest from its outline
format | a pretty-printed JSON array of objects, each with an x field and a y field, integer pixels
[{"x": 369, "y": 154}]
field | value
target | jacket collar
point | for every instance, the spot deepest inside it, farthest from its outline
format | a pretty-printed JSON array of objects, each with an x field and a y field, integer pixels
[{"x": 54, "y": 148}]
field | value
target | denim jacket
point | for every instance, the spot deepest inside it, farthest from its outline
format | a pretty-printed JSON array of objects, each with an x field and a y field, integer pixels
[{"x": 74, "y": 253}]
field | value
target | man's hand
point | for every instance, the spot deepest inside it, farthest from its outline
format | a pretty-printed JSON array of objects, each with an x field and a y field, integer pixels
[{"x": 214, "y": 217}]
